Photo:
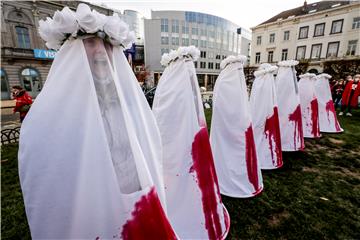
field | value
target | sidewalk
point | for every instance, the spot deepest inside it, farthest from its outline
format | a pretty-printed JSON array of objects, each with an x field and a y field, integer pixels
[{"x": 8, "y": 118}]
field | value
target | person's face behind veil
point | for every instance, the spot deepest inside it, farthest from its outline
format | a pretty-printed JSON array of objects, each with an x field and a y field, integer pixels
[{"x": 99, "y": 54}]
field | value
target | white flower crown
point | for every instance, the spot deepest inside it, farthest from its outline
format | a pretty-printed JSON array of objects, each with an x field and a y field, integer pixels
[
  {"x": 309, "y": 75},
  {"x": 264, "y": 69},
  {"x": 232, "y": 59},
  {"x": 288, "y": 63},
  {"x": 67, "y": 24},
  {"x": 324, "y": 75},
  {"x": 182, "y": 52}
]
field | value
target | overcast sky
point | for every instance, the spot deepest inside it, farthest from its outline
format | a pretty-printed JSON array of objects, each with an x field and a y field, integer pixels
[{"x": 247, "y": 13}]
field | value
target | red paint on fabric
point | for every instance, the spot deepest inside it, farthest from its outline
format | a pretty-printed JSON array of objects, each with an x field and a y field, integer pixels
[
  {"x": 272, "y": 133},
  {"x": 148, "y": 220},
  {"x": 203, "y": 166},
  {"x": 330, "y": 108},
  {"x": 298, "y": 129},
  {"x": 315, "y": 130},
  {"x": 250, "y": 157}
]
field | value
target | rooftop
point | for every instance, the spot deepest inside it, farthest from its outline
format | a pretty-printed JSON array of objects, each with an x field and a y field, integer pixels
[{"x": 306, "y": 9}]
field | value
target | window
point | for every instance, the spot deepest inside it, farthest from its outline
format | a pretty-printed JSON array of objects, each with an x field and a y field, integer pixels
[
  {"x": 332, "y": 50},
  {"x": 210, "y": 44},
  {"x": 356, "y": 23},
  {"x": 194, "y": 31},
  {"x": 270, "y": 56},
  {"x": 300, "y": 52},
  {"x": 185, "y": 41},
  {"x": 203, "y": 43},
  {"x": 23, "y": 37},
  {"x": 203, "y": 32},
  {"x": 210, "y": 65},
  {"x": 217, "y": 65},
  {"x": 211, "y": 55},
  {"x": 257, "y": 57},
  {"x": 272, "y": 38},
  {"x": 202, "y": 64},
  {"x": 175, "y": 26},
  {"x": 164, "y": 50},
  {"x": 194, "y": 42},
  {"x": 352, "y": 47},
  {"x": 286, "y": 35},
  {"x": 336, "y": 26},
  {"x": 315, "y": 51},
  {"x": 284, "y": 54},
  {"x": 319, "y": 30},
  {"x": 5, "y": 94},
  {"x": 195, "y": 64},
  {"x": 218, "y": 57},
  {"x": 164, "y": 25},
  {"x": 164, "y": 40},
  {"x": 258, "y": 40},
  {"x": 202, "y": 54},
  {"x": 303, "y": 32},
  {"x": 175, "y": 41},
  {"x": 185, "y": 29},
  {"x": 31, "y": 81}
]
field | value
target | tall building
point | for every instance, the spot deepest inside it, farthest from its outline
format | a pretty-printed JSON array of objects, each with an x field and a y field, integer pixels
[
  {"x": 315, "y": 33},
  {"x": 216, "y": 38},
  {"x": 25, "y": 60}
]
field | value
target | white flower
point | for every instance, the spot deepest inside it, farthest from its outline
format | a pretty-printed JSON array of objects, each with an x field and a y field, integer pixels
[
  {"x": 288, "y": 63},
  {"x": 232, "y": 59},
  {"x": 165, "y": 59},
  {"x": 50, "y": 34},
  {"x": 264, "y": 69},
  {"x": 65, "y": 21},
  {"x": 130, "y": 39},
  {"x": 308, "y": 75},
  {"x": 173, "y": 54},
  {"x": 89, "y": 21},
  {"x": 116, "y": 29},
  {"x": 190, "y": 51}
]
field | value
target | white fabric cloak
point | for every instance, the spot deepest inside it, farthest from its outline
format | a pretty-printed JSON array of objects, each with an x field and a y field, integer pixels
[
  {"x": 231, "y": 134},
  {"x": 309, "y": 106},
  {"x": 265, "y": 118},
  {"x": 327, "y": 114},
  {"x": 90, "y": 151},
  {"x": 292, "y": 138},
  {"x": 193, "y": 198}
]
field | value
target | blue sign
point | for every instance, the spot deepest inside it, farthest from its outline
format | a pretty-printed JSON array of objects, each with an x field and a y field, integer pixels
[{"x": 44, "y": 54}]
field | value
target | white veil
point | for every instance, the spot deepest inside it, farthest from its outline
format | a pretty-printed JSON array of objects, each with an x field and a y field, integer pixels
[
  {"x": 309, "y": 106},
  {"x": 231, "y": 134},
  {"x": 327, "y": 114},
  {"x": 193, "y": 199},
  {"x": 292, "y": 138},
  {"x": 90, "y": 151},
  {"x": 265, "y": 118}
]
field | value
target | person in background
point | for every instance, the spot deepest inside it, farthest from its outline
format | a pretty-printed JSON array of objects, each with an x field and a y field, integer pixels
[
  {"x": 23, "y": 101},
  {"x": 337, "y": 91},
  {"x": 350, "y": 95}
]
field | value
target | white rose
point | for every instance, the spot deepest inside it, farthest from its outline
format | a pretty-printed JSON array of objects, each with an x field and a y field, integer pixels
[
  {"x": 65, "y": 21},
  {"x": 116, "y": 29},
  {"x": 173, "y": 54},
  {"x": 130, "y": 39},
  {"x": 48, "y": 32},
  {"x": 165, "y": 59},
  {"x": 88, "y": 20},
  {"x": 53, "y": 45}
]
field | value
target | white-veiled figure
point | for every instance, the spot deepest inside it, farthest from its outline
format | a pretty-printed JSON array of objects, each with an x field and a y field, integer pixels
[
  {"x": 265, "y": 118},
  {"x": 231, "y": 134}
]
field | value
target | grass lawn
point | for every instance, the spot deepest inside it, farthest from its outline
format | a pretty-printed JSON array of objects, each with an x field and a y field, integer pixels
[{"x": 315, "y": 195}]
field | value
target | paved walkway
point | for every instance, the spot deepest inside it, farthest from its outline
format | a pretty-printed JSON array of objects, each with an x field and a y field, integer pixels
[{"x": 8, "y": 118}]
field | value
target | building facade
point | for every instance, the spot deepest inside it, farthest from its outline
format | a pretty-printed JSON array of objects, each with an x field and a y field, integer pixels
[
  {"x": 215, "y": 37},
  {"x": 314, "y": 33},
  {"x": 25, "y": 60}
]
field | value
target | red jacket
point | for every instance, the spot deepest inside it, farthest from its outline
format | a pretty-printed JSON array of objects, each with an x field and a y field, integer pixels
[
  {"x": 22, "y": 100},
  {"x": 345, "y": 100}
]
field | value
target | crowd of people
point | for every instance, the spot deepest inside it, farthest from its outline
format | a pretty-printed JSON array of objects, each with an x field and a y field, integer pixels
[{"x": 345, "y": 93}]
